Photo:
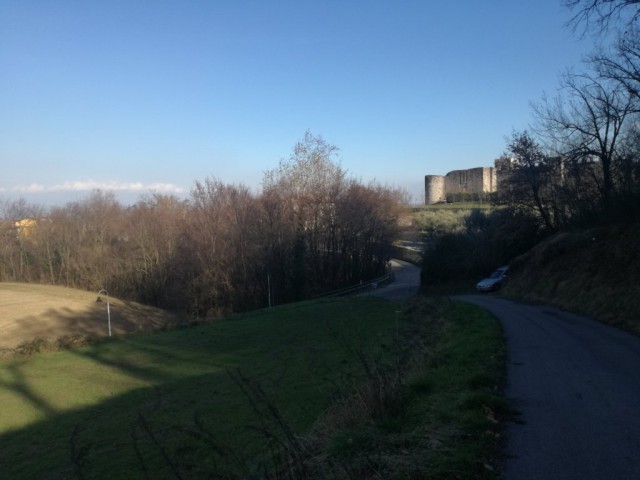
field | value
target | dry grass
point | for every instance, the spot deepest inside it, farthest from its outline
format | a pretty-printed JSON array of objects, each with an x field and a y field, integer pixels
[
  {"x": 47, "y": 313},
  {"x": 441, "y": 221}
]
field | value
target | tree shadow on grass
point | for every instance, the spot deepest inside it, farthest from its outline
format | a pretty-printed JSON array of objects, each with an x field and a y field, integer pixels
[
  {"x": 202, "y": 426},
  {"x": 123, "y": 437},
  {"x": 180, "y": 401},
  {"x": 18, "y": 384}
]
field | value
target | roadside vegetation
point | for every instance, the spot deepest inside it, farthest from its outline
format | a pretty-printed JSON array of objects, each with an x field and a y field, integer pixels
[
  {"x": 594, "y": 271},
  {"x": 343, "y": 388}
]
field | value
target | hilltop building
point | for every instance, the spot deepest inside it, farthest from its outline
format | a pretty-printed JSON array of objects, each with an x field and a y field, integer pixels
[
  {"x": 26, "y": 227},
  {"x": 481, "y": 180}
]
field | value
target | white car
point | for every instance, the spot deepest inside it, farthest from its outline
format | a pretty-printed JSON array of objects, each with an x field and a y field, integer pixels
[{"x": 494, "y": 282}]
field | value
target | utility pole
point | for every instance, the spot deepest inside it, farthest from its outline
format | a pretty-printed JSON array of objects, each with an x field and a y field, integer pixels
[{"x": 108, "y": 307}]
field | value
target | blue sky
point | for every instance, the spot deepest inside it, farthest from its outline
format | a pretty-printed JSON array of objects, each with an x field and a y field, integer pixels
[{"x": 138, "y": 95}]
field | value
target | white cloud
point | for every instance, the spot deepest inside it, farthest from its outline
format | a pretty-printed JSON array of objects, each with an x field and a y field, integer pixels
[
  {"x": 33, "y": 188},
  {"x": 88, "y": 185}
]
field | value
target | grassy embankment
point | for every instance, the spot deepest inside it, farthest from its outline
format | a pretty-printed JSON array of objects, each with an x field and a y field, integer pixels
[
  {"x": 595, "y": 272},
  {"x": 344, "y": 388}
]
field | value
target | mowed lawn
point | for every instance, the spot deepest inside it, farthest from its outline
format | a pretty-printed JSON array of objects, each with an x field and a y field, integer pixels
[
  {"x": 29, "y": 311},
  {"x": 130, "y": 407}
]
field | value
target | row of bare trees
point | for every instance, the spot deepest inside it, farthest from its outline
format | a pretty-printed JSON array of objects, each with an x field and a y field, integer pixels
[
  {"x": 581, "y": 161},
  {"x": 311, "y": 229}
]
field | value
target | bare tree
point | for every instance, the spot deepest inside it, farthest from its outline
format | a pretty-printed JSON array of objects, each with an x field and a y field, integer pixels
[
  {"x": 219, "y": 248},
  {"x": 326, "y": 230},
  {"x": 308, "y": 183},
  {"x": 154, "y": 228},
  {"x": 16, "y": 250},
  {"x": 20, "y": 209},
  {"x": 601, "y": 14},
  {"x": 628, "y": 172},
  {"x": 588, "y": 124},
  {"x": 276, "y": 230},
  {"x": 99, "y": 229},
  {"x": 622, "y": 66},
  {"x": 528, "y": 178}
]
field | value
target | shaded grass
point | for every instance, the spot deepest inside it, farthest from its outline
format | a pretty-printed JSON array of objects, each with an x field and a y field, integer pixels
[
  {"x": 446, "y": 419},
  {"x": 466, "y": 374},
  {"x": 110, "y": 410},
  {"x": 341, "y": 388}
]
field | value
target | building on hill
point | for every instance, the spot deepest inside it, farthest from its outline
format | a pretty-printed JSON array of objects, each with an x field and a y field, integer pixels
[
  {"x": 584, "y": 175},
  {"x": 26, "y": 227},
  {"x": 474, "y": 181}
]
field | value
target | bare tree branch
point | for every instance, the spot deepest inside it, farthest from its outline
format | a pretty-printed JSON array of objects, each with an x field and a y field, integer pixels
[
  {"x": 588, "y": 123},
  {"x": 600, "y": 15}
]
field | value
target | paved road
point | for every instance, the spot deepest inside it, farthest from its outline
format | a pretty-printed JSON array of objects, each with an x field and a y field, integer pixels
[
  {"x": 576, "y": 386},
  {"x": 406, "y": 283}
]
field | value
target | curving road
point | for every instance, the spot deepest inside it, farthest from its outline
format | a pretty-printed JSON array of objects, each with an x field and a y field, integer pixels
[
  {"x": 405, "y": 284},
  {"x": 575, "y": 385}
]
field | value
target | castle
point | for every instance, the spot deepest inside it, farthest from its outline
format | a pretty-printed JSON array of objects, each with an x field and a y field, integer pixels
[{"x": 481, "y": 180}]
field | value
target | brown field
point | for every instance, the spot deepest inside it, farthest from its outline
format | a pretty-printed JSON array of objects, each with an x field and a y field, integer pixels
[{"x": 29, "y": 311}]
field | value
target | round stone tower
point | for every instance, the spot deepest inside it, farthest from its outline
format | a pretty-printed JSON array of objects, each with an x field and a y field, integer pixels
[{"x": 433, "y": 189}]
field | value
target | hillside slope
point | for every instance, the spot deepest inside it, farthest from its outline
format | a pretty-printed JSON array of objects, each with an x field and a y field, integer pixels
[
  {"x": 28, "y": 311},
  {"x": 595, "y": 272}
]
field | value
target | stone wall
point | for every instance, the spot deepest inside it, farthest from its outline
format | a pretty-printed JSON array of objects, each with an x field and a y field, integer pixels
[
  {"x": 472, "y": 181},
  {"x": 434, "y": 190}
]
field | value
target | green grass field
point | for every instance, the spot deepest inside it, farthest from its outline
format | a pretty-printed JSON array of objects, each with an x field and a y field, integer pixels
[
  {"x": 99, "y": 398},
  {"x": 317, "y": 379}
]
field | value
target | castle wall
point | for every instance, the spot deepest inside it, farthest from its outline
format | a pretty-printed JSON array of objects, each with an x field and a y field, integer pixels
[
  {"x": 474, "y": 180},
  {"x": 434, "y": 189}
]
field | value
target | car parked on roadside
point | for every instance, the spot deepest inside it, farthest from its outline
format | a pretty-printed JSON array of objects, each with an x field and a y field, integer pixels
[{"x": 495, "y": 281}]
